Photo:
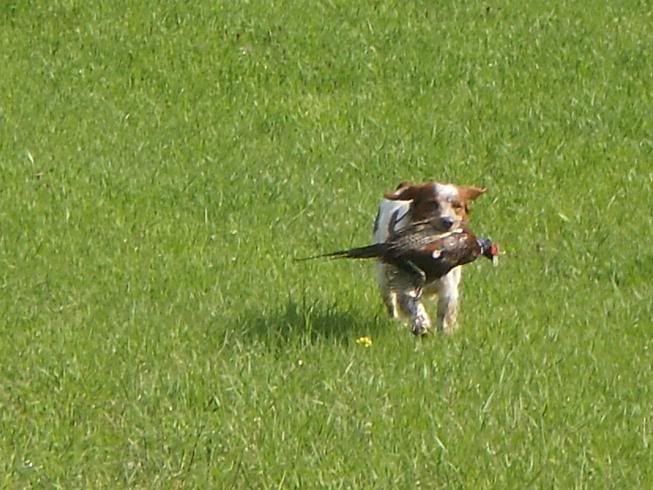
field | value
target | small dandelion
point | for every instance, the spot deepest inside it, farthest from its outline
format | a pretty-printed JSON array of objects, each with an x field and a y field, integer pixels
[{"x": 364, "y": 341}]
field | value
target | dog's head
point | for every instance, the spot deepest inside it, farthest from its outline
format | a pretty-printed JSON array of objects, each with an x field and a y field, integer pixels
[{"x": 446, "y": 205}]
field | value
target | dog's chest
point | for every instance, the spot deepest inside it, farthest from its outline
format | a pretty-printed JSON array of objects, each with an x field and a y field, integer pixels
[{"x": 392, "y": 216}]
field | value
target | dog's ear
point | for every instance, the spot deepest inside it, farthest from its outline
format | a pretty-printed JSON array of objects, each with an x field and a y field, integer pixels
[
  {"x": 404, "y": 183},
  {"x": 406, "y": 191},
  {"x": 470, "y": 193}
]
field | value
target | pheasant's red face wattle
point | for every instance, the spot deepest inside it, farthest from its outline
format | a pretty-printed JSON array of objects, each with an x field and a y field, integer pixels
[{"x": 494, "y": 252}]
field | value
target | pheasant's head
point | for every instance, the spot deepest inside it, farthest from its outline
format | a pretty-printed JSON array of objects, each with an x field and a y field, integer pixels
[{"x": 489, "y": 250}]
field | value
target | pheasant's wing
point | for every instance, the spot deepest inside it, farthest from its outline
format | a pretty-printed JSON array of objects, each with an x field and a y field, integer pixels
[
  {"x": 404, "y": 275},
  {"x": 414, "y": 238}
]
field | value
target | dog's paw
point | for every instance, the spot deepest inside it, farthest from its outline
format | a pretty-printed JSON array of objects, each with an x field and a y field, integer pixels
[{"x": 420, "y": 325}]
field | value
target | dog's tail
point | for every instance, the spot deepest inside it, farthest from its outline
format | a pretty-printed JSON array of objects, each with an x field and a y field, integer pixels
[{"x": 367, "y": 252}]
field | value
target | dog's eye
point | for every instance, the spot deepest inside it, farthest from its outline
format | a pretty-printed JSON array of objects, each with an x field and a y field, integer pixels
[{"x": 434, "y": 204}]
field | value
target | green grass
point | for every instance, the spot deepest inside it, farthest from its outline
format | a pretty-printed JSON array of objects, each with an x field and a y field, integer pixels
[{"x": 162, "y": 163}]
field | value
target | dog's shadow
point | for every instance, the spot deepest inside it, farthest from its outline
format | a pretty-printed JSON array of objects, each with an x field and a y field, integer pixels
[{"x": 309, "y": 323}]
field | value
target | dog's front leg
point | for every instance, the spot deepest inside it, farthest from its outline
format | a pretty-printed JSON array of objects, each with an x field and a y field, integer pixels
[
  {"x": 411, "y": 303},
  {"x": 384, "y": 274},
  {"x": 448, "y": 299}
]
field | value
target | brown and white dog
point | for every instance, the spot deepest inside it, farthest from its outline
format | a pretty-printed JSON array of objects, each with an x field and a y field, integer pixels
[{"x": 447, "y": 206}]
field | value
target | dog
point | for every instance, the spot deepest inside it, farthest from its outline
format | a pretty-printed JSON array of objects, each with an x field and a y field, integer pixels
[{"x": 447, "y": 206}]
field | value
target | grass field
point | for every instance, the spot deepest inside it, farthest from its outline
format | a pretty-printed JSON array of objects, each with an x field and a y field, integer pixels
[{"x": 161, "y": 163}]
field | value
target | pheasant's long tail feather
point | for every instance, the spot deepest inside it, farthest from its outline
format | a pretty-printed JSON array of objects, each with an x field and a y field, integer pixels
[{"x": 367, "y": 252}]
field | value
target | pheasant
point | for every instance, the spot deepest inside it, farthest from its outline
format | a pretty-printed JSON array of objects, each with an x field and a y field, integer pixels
[{"x": 422, "y": 251}]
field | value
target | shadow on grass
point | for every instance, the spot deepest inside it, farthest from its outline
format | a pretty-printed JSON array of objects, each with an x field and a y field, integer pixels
[{"x": 308, "y": 323}]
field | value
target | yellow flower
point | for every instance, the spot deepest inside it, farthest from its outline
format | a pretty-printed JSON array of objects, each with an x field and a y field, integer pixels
[{"x": 364, "y": 341}]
